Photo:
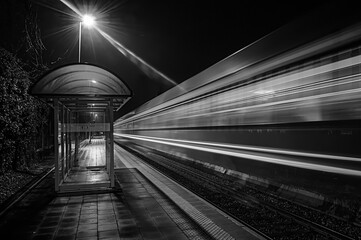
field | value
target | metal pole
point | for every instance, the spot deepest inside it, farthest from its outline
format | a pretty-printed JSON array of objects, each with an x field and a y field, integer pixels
[
  {"x": 76, "y": 140},
  {"x": 70, "y": 164},
  {"x": 111, "y": 148},
  {"x": 79, "y": 40},
  {"x": 107, "y": 140},
  {"x": 62, "y": 142},
  {"x": 56, "y": 147}
]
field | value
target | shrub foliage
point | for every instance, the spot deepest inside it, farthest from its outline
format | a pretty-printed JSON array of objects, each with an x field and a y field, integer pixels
[{"x": 21, "y": 115}]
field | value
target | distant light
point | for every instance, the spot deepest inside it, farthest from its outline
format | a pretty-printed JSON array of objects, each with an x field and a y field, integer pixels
[
  {"x": 88, "y": 20},
  {"x": 93, "y": 81}
]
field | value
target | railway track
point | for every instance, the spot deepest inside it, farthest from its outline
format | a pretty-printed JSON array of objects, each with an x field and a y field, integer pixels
[{"x": 270, "y": 216}]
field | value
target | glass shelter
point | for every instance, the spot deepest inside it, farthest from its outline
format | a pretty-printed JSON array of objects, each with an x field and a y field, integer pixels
[{"x": 83, "y": 98}]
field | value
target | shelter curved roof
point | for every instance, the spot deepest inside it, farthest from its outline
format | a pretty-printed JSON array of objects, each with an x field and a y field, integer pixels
[
  {"x": 79, "y": 83},
  {"x": 80, "y": 79}
]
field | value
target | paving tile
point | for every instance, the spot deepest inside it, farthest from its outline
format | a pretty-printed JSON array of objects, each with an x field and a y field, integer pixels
[
  {"x": 88, "y": 211},
  {"x": 88, "y": 226},
  {"x": 66, "y": 231},
  {"x": 70, "y": 220},
  {"x": 106, "y": 227},
  {"x": 88, "y": 220},
  {"x": 71, "y": 214},
  {"x": 87, "y": 233},
  {"x": 68, "y": 224},
  {"x": 88, "y": 216},
  {"x": 106, "y": 220},
  {"x": 105, "y": 204},
  {"x": 105, "y": 215},
  {"x": 106, "y": 212},
  {"x": 90, "y": 203},
  {"x": 87, "y": 238},
  {"x": 74, "y": 206},
  {"x": 108, "y": 234},
  {"x": 87, "y": 199},
  {"x": 84, "y": 208}
]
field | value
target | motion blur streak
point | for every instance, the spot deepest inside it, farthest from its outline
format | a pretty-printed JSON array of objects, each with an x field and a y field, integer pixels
[
  {"x": 209, "y": 148},
  {"x": 145, "y": 67},
  {"x": 257, "y": 149},
  {"x": 340, "y": 93}
]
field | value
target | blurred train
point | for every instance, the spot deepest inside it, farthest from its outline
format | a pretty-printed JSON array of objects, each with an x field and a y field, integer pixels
[{"x": 289, "y": 101}]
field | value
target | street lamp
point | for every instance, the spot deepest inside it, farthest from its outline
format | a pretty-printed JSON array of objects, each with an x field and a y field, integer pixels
[{"x": 88, "y": 21}]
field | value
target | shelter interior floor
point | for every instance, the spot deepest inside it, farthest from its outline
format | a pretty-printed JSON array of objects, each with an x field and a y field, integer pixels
[{"x": 91, "y": 168}]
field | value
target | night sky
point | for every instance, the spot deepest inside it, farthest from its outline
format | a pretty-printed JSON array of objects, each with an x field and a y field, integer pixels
[{"x": 179, "y": 38}]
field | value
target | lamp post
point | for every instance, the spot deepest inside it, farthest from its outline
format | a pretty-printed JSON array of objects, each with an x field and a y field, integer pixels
[
  {"x": 88, "y": 21},
  {"x": 79, "y": 40}
]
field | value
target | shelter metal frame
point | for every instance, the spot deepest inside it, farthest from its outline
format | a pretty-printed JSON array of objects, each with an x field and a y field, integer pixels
[{"x": 72, "y": 90}]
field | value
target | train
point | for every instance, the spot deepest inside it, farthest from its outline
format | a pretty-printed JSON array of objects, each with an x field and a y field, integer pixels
[{"x": 285, "y": 108}]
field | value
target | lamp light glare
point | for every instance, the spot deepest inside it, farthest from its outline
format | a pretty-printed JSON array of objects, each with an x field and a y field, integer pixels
[{"x": 88, "y": 20}]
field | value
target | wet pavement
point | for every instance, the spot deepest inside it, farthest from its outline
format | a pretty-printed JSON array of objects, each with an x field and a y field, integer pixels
[
  {"x": 143, "y": 205},
  {"x": 132, "y": 214}
]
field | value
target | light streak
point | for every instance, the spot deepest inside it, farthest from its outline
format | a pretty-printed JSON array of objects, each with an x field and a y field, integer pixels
[
  {"x": 209, "y": 147},
  {"x": 144, "y": 66},
  {"x": 72, "y": 7}
]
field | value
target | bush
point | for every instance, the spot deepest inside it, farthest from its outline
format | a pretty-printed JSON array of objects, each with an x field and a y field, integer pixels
[{"x": 21, "y": 115}]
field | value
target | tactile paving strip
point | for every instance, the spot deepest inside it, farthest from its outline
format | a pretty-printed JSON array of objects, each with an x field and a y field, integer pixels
[
  {"x": 204, "y": 222},
  {"x": 189, "y": 228}
]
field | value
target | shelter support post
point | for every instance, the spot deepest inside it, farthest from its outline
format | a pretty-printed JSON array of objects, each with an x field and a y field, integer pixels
[
  {"x": 62, "y": 141},
  {"x": 70, "y": 165},
  {"x": 66, "y": 135},
  {"x": 107, "y": 142},
  {"x": 76, "y": 151},
  {"x": 56, "y": 147},
  {"x": 111, "y": 147}
]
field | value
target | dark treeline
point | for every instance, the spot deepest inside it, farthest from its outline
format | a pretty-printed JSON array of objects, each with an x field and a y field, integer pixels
[{"x": 22, "y": 117}]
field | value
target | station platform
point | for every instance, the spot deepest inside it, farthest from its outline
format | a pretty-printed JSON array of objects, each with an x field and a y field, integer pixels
[{"x": 144, "y": 205}]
